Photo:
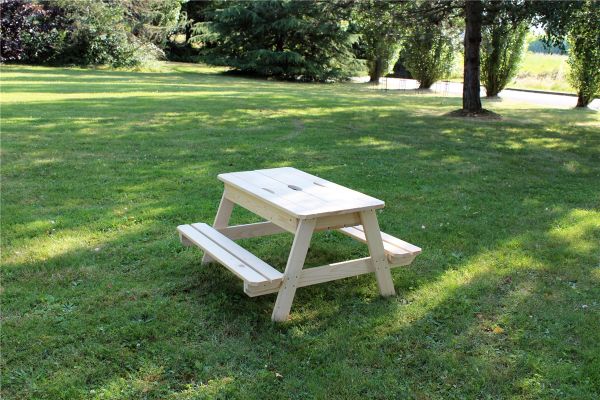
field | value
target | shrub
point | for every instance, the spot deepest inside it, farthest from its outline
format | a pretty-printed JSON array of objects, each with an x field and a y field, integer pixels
[
  {"x": 428, "y": 53},
  {"x": 97, "y": 35},
  {"x": 29, "y": 32},
  {"x": 380, "y": 35},
  {"x": 501, "y": 52},
  {"x": 584, "y": 53},
  {"x": 120, "y": 33}
]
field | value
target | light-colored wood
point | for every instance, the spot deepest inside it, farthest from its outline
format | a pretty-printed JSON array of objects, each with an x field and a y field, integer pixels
[
  {"x": 251, "y": 230},
  {"x": 261, "y": 208},
  {"x": 299, "y": 194},
  {"x": 184, "y": 241},
  {"x": 394, "y": 243},
  {"x": 221, "y": 220},
  {"x": 324, "y": 190},
  {"x": 331, "y": 272},
  {"x": 244, "y": 255},
  {"x": 378, "y": 256},
  {"x": 262, "y": 289},
  {"x": 293, "y": 269},
  {"x": 294, "y": 201},
  {"x": 398, "y": 251},
  {"x": 226, "y": 258},
  {"x": 337, "y": 221},
  {"x": 267, "y": 228},
  {"x": 238, "y": 260},
  {"x": 322, "y": 274},
  {"x": 325, "y": 273}
]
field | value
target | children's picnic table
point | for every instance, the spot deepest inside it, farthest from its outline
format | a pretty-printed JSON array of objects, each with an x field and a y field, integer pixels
[{"x": 294, "y": 201}]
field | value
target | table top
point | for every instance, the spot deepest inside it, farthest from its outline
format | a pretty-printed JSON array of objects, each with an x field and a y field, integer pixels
[{"x": 300, "y": 194}]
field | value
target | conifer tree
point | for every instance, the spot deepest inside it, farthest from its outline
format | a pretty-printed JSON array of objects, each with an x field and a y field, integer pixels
[{"x": 285, "y": 39}]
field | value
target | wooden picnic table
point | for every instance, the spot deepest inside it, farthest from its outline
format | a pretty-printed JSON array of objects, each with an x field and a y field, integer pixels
[{"x": 294, "y": 201}]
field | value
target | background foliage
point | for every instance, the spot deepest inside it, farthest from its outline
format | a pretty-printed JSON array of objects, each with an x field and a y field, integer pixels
[
  {"x": 428, "y": 53},
  {"x": 86, "y": 32},
  {"x": 285, "y": 39},
  {"x": 380, "y": 35},
  {"x": 501, "y": 52},
  {"x": 584, "y": 57}
]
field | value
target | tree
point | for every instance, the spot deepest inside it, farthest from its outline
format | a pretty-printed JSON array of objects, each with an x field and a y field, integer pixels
[
  {"x": 428, "y": 53},
  {"x": 553, "y": 16},
  {"x": 472, "y": 43},
  {"x": 86, "y": 32},
  {"x": 284, "y": 39},
  {"x": 152, "y": 21},
  {"x": 380, "y": 35},
  {"x": 502, "y": 48},
  {"x": 30, "y": 32},
  {"x": 97, "y": 35},
  {"x": 584, "y": 54}
]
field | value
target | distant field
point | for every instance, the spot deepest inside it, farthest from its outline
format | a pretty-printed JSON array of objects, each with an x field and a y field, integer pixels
[
  {"x": 537, "y": 71},
  {"x": 543, "y": 71}
]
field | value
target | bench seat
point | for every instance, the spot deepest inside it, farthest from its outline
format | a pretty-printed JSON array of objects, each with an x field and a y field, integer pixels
[
  {"x": 256, "y": 274},
  {"x": 397, "y": 251}
]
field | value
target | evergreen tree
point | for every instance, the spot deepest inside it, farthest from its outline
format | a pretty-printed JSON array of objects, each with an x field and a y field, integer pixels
[
  {"x": 284, "y": 39},
  {"x": 584, "y": 53},
  {"x": 501, "y": 50},
  {"x": 428, "y": 53},
  {"x": 381, "y": 33}
]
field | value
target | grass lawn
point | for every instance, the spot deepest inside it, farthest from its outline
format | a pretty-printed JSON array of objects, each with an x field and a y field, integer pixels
[{"x": 101, "y": 301}]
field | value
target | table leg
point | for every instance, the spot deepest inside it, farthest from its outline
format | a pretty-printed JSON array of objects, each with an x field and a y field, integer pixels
[
  {"x": 293, "y": 269},
  {"x": 378, "y": 257},
  {"x": 221, "y": 220}
]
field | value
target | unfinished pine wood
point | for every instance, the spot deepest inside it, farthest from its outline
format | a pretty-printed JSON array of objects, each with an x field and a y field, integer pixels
[
  {"x": 377, "y": 252},
  {"x": 262, "y": 208},
  {"x": 293, "y": 269},
  {"x": 221, "y": 220},
  {"x": 262, "y": 289},
  {"x": 331, "y": 272},
  {"x": 238, "y": 260},
  {"x": 398, "y": 251},
  {"x": 321, "y": 274},
  {"x": 294, "y": 201},
  {"x": 299, "y": 194},
  {"x": 337, "y": 221},
  {"x": 257, "y": 229}
]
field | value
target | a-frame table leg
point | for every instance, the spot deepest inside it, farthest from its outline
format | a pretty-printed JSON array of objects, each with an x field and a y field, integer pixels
[
  {"x": 293, "y": 269},
  {"x": 221, "y": 220},
  {"x": 378, "y": 257}
]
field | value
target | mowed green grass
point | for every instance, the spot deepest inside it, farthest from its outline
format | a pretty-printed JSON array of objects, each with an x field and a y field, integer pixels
[{"x": 101, "y": 301}]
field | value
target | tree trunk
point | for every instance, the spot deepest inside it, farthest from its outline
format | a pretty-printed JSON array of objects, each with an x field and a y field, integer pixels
[
  {"x": 376, "y": 71},
  {"x": 471, "y": 88},
  {"x": 582, "y": 101}
]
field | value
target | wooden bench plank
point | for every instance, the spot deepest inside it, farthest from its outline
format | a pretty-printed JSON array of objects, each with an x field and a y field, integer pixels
[
  {"x": 229, "y": 254},
  {"x": 241, "y": 253},
  {"x": 397, "y": 250}
]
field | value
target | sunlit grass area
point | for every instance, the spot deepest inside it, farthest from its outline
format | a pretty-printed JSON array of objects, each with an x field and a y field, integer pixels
[
  {"x": 543, "y": 72},
  {"x": 101, "y": 301}
]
